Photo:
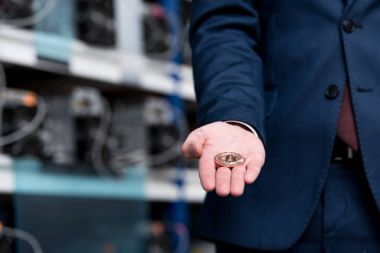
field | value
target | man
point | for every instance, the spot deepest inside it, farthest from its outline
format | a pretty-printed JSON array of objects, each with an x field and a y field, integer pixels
[{"x": 288, "y": 76}]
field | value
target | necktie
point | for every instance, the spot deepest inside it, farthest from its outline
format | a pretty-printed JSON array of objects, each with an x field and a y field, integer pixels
[{"x": 346, "y": 126}]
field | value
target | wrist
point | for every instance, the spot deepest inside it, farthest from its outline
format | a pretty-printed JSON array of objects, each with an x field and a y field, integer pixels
[{"x": 243, "y": 126}]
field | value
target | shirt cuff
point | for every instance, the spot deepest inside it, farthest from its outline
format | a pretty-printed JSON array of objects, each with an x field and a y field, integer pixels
[{"x": 250, "y": 128}]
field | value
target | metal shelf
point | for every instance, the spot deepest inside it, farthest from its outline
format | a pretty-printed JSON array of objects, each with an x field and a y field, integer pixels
[
  {"x": 26, "y": 177},
  {"x": 113, "y": 66},
  {"x": 160, "y": 187},
  {"x": 6, "y": 181}
]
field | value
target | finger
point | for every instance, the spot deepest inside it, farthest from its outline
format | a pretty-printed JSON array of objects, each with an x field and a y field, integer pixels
[
  {"x": 253, "y": 171},
  {"x": 207, "y": 171},
  {"x": 223, "y": 181},
  {"x": 192, "y": 147},
  {"x": 237, "y": 181}
]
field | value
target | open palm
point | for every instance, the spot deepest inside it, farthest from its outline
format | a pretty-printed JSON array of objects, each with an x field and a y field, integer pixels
[{"x": 206, "y": 142}]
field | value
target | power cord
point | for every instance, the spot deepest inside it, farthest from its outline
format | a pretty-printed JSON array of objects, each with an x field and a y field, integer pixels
[
  {"x": 173, "y": 21},
  {"x": 29, "y": 128},
  {"x": 125, "y": 158},
  {"x": 122, "y": 158},
  {"x": 100, "y": 141},
  {"x": 34, "y": 19},
  {"x": 21, "y": 235}
]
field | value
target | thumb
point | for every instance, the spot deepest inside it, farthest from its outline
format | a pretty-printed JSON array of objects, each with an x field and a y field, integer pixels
[{"x": 193, "y": 146}]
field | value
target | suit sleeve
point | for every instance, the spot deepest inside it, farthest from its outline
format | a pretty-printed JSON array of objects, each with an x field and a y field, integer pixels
[{"x": 228, "y": 70}]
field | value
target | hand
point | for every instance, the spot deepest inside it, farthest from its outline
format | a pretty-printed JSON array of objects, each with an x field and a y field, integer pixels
[{"x": 206, "y": 142}]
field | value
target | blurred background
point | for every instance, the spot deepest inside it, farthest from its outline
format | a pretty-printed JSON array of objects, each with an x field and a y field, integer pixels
[{"x": 96, "y": 97}]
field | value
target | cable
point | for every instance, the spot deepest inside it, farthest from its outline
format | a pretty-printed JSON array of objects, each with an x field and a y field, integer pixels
[
  {"x": 22, "y": 235},
  {"x": 174, "y": 22},
  {"x": 125, "y": 158},
  {"x": 122, "y": 158},
  {"x": 100, "y": 141},
  {"x": 28, "y": 128},
  {"x": 156, "y": 34},
  {"x": 34, "y": 19},
  {"x": 138, "y": 156},
  {"x": 174, "y": 151}
]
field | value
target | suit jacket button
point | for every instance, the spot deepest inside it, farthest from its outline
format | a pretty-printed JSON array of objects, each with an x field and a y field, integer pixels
[
  {"x": 332, "y": 91},
  {"x": 348, "y": 25}
]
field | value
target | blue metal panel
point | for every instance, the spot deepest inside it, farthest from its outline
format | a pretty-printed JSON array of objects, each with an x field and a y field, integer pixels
[
  {"x": 55, "y": 32},
  {"x": 31, "y": 179}
]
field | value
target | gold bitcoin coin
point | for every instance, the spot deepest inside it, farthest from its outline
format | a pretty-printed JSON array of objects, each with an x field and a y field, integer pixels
[{"x": 229, "y": 159}]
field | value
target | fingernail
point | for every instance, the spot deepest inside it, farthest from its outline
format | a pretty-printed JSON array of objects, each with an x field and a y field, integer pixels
[
  {"x": 248, "y": 180},
  {"x": 223, "y": 193},
  {"x": 236, "y": 193}
]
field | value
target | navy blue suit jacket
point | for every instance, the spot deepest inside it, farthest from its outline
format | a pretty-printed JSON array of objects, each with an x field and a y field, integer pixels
[{"x": 270, "y": 63}]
